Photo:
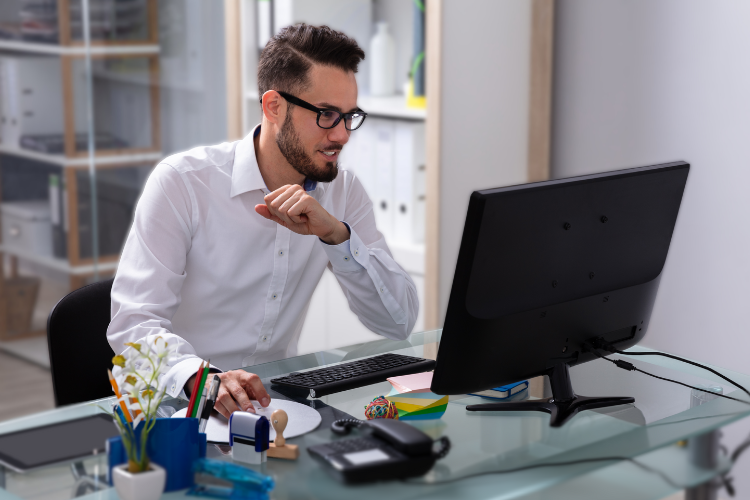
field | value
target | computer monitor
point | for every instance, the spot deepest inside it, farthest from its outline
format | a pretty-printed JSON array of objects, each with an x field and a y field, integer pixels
[{"x": 544, "y": 269}]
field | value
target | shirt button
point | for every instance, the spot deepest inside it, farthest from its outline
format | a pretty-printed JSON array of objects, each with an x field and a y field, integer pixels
[
  {"x": 281, "y": 252},
  {"x": 346, "y": 259},
  {"x": 265, "y": 337},
  {"x": 274, "y": 296},
  {"x": 356, "y": 252},
  {"x": 381, "y": 290}
]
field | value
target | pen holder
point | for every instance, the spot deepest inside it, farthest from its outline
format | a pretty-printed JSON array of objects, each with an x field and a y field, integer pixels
[{"x": 173, "y": 443}]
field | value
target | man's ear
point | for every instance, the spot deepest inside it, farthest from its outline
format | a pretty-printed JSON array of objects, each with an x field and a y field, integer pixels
[{"x": 274, "y": 107}]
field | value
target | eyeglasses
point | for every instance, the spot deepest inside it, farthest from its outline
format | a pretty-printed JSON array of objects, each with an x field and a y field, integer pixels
[{"x": 328, "y": 118}]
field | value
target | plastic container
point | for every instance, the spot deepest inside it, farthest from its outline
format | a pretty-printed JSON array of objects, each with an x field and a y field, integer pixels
[{"x": 383, "y": 69}]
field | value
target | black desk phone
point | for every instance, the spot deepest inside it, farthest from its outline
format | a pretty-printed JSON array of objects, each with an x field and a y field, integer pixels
[{"x": 391, "y": 450}]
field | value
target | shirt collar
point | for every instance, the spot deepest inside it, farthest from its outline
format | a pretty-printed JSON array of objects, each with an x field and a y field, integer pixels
[{"x": 245, "y": 172}]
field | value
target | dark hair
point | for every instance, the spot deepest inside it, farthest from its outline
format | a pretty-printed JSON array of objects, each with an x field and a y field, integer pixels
[{"x": 289, "y": 55}]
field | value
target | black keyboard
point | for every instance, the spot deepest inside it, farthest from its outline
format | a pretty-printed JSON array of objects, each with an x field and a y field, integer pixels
[{"x": 343, "y": 377}]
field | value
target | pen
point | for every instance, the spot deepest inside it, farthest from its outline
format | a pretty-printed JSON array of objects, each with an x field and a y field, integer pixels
[
  {"x": 210, "y": 402},
  {"x": 112, "y": 381},
  {"x": 200, "y": 398}
]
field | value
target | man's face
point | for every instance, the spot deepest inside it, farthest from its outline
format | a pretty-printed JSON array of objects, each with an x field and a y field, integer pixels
[{"x": 311, "y": 150}]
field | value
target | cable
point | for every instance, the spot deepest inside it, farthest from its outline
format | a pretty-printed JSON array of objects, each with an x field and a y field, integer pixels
[
  {"x": 604, "y": 346},
  {"x": 645, "y": 467},
  {"x": 621, "y": 363},
  {"x": 727, "y": 481}
]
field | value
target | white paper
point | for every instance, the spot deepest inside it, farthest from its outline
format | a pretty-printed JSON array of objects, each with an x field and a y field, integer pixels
[{"x": 302, "y": 419}]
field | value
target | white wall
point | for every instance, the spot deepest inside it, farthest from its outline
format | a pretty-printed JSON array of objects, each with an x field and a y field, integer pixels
[
  {"x": 639, "y": 82},
  {"x": 484, "y": 106}
]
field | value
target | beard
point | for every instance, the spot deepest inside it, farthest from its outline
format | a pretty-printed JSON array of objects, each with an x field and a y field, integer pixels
[{"x": 291, "y": 148}]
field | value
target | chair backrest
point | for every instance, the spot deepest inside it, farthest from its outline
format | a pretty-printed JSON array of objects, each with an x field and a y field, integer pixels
[{"x": 79, "y": 353}]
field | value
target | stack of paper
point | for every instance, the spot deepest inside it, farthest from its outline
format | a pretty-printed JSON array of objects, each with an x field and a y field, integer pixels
[{"x": 413, "y": 399}]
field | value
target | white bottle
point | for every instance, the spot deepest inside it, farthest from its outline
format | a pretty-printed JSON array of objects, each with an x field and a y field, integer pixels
[{"x": 382, "y": 71}]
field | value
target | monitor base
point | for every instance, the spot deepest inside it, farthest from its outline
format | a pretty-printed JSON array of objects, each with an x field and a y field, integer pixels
[{"x": 562, "y": 406}]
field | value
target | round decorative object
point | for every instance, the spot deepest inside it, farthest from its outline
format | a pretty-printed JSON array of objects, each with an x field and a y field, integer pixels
[
  {"x": 302, "y": 419},
  {"x": 381, "y": 408},
  {"x": 148, "y": 485}
]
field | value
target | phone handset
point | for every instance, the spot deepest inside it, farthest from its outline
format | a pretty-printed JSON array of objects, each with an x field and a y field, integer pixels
[{"x": 405, "y": 438}]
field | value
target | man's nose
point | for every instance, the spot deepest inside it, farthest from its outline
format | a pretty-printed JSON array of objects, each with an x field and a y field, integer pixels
[{"x": 339, "y": 133}]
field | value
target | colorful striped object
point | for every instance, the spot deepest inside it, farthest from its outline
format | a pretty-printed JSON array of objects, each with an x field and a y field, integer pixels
[{"x": 415, "y": 401}]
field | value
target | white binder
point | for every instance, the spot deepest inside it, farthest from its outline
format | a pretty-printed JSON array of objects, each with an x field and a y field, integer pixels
[
  {"x": 382, "y": 198},
  {"x": 32, "y": 97},
  {"x": 357, "y": 156},
  {"x": 409, "y": 185}
]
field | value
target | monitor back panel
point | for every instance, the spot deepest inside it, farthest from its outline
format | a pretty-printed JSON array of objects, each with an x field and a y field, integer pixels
[{"x": 544, "y": 267}]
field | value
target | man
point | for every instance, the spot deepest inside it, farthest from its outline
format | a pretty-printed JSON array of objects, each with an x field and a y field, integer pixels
[{"x": 229, "y": 242}]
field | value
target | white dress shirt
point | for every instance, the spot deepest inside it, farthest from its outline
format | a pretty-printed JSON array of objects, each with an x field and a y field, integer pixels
[{"x": 200, "y": 266}]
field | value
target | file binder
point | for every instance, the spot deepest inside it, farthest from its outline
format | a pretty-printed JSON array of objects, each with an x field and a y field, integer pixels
[
  {"x": 31, "y": 95},
  {"x": 383, "y": 198},
  {"x": 409, "y": 185}
]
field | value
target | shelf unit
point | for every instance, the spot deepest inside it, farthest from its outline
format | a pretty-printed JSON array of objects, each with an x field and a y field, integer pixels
[
  {"x": 73, "y": 161},
  {"x": 244, "y": 113},
  {"x": 507, "y": 143}
]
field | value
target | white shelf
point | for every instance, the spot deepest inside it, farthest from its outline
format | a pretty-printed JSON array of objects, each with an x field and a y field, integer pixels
[
  {"x": 391, "y": 107},
  {"x": 381, "y": 107},
  {"x": 59, "y": 159},
  {"x": 57, "y": 263},
  {"x": 62, "y": 50}
]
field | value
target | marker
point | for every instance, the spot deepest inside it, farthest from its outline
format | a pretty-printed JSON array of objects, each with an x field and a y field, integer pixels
[{"x": 208, "y": 408}]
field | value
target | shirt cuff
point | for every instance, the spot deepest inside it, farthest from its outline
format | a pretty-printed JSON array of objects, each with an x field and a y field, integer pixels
[
  {"x": 341, "y": 256},
  {"x": 180, "y": 373}
]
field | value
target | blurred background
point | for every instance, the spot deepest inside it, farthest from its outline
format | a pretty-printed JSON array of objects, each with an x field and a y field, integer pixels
[{"x": 461, "y": 95}]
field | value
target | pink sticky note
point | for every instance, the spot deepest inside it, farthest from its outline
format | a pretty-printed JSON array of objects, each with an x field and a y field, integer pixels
[{"x": 416, "y": 382}]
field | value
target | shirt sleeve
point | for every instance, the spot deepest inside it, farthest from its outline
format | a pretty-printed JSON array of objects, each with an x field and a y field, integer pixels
[
  {"x": 379, "y": 291},
  {"x": 146, "y": 290}
]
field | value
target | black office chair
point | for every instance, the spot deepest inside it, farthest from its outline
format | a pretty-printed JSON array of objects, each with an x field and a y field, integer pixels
[{"x": 79, "y": 353}]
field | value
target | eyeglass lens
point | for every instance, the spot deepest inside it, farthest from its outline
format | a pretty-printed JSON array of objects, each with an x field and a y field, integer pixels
[{"x": 328, "y": 119}]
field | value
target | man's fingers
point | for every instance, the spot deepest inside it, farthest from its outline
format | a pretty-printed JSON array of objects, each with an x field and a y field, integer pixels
[
  {"x": 275, "y": 199},
  {"x": 272, "y": 195},
  {"x": 251, "y": 382},
  {"x": 227, "y": 401},
  {"x": 298, "y": 211},
  {"x": 279, "y": 205},
  {"x": 290, "y": 202},
  {"x": 263, "y": 210},
  {"x": 238, "y": 394},
  {"x": 219, "y": 406}
]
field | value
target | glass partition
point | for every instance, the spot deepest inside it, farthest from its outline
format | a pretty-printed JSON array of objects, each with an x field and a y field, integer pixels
[{"x": 93, "y": 93}]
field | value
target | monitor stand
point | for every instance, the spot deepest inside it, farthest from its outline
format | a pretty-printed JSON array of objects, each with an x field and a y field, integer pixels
[{"x": 563, "y": 404}]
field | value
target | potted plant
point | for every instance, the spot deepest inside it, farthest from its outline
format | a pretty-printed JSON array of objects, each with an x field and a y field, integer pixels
[{"x": 137, "y": 373}]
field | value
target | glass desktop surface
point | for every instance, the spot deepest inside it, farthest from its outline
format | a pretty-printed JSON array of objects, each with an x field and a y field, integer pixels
[{"x": 482, "y": 442}]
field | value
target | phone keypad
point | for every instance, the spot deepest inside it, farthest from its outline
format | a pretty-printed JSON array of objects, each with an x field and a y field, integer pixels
[{"x": 352, "y": 445}]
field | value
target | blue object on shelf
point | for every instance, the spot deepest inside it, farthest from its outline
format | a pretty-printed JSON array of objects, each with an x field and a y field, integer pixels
[
  {"x": 230, "y": 480},
  {"x": 173, "y": 443}
]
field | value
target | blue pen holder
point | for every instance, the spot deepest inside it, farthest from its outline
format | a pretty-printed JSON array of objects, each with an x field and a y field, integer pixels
[{"x": 173, "y": 443}]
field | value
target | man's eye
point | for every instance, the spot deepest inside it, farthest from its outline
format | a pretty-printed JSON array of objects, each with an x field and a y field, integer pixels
[{"x": 329, "y": 114}]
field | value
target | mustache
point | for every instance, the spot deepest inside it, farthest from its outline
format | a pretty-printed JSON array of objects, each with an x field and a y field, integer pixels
[{"x": 334, "y": 146}]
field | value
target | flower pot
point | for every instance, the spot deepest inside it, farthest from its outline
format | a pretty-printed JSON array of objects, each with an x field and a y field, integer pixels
[{"x": 148, "y": 485}]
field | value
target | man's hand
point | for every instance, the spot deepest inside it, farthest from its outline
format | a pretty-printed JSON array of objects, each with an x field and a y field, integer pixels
[
  {"x": 299, "y": 212},
  {"x": 237, "y": 388}
]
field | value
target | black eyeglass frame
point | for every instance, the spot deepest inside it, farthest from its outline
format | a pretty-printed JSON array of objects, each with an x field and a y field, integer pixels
[{"x": 304, "y": 104}]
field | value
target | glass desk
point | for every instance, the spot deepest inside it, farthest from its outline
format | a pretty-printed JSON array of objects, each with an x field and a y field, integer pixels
[{"x": 649, "y": 432}]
